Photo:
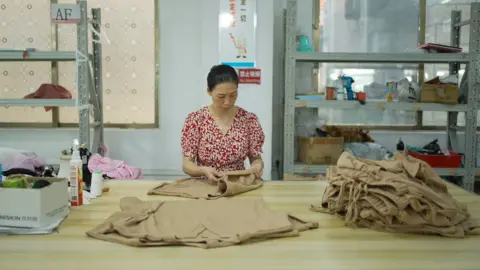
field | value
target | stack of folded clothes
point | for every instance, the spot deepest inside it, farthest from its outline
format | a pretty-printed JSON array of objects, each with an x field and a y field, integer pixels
[{"x": 400, "y": 195}]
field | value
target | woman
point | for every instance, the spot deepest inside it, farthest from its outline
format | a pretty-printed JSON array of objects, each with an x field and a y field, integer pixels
[{"x": 220, "y": 137}]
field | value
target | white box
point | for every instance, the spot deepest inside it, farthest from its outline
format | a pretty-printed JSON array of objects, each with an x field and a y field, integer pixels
[{"x": 34, "y": 207}]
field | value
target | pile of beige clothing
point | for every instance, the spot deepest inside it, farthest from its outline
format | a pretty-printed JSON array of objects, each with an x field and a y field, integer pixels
[{"x": 400, "y": 195}]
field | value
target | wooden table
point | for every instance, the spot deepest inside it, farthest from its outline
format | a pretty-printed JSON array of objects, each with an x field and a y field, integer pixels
[{"x": 332, "y": 246}]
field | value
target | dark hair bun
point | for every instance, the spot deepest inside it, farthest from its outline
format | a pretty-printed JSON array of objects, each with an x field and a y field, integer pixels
[{"x": 221, "y": 74}]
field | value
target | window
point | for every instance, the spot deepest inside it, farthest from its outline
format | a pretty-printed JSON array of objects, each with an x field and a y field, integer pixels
[
  {"x": 437, "y": 30},
  {"x": 373, "y": 26},
  {"x": 368, "y": 26},
  {"x": 129, "y": 62}
]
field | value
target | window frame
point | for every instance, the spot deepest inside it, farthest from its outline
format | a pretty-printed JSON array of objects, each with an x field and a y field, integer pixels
[{"x": 55, "y": 122}]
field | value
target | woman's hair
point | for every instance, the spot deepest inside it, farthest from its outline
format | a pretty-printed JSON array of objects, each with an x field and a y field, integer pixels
[{"x": 221, "y": 74}]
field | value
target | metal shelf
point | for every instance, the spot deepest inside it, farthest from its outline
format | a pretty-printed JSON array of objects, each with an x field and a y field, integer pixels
[
  {"x": 380, "y": 105},
  {"x": 290, "y": 104},
  {"x": 383, "y": 66},
  {"x": 89, "y": 83},
  {"x": 301, "y": 168},
  {"x": 14, "y": 55},
  {"x": 37, "y": 102},
  {"x": 327, "y": 57}
]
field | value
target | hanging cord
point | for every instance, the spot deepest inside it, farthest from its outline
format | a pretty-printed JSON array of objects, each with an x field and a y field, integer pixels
[{"x": 102, "y": 35}]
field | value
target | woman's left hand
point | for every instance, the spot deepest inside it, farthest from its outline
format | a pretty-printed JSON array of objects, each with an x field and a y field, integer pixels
[{"x": 257, "y": 169}]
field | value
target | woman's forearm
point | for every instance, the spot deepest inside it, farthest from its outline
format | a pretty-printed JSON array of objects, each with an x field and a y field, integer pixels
[
  {"x": 189, "y": 167},
  {"x": 257, "y": 161}
]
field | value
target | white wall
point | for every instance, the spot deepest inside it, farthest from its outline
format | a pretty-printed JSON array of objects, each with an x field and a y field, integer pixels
[{"x": 188, "y": 48}]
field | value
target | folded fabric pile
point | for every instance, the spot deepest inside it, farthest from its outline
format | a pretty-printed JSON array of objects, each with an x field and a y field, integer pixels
[
  {"x": 402, "y": 195},
  {"x": 232, "y": 183},
  {"x": 197, "y": 223}
]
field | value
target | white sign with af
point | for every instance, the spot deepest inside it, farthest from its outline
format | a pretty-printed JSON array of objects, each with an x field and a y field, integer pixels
[{"x": 65, "y": 13}]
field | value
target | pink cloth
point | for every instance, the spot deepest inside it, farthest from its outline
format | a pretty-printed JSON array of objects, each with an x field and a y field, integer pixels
[
  {"x": 116, "y": 169},
  {"x": 50, "y": 91},
  {"x": 23, "y": 161}
]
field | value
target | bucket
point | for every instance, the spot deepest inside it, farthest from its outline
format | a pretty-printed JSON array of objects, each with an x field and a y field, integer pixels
[
  {"x": 361, "y": 96},
  {"x": 331, "y": 93}
]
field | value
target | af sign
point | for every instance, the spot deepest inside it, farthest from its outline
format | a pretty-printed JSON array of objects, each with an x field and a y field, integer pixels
[{"x": 65, "y": 13}]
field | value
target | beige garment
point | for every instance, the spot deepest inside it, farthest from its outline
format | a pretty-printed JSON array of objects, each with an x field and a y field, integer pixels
[
  {"x": 399, "y": 195},
  {"x": 198, "y": 223},
  {"x": 232, "y": 183},
  {"x": 296, "y": 177}
]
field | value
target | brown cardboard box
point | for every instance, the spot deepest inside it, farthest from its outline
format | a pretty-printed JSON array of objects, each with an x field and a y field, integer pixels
[
  {"x": 317, "y": 150},
  {"x": 439, "y": 93}
]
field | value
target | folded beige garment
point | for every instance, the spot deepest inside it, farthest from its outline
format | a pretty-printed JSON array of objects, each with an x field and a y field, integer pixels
[
  {"x": 232, "y": 183},
  {"x": 400, "y": 195},
  {"x": 198, "y": 223}
]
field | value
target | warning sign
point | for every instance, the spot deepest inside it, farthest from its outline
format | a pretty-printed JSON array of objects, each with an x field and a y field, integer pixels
[{"x": 249, "y": 76}]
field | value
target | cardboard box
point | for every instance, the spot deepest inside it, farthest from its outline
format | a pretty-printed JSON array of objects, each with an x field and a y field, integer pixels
[
  {"x": 319, "y": 150},
  {"x": 439, "y": 93},
  {"x": 34, "y": 207}
]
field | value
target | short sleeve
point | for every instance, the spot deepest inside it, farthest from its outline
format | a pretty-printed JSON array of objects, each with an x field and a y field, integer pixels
[
  {"x": 256, "y": 137},
  {"x": 190, "y": 136}
]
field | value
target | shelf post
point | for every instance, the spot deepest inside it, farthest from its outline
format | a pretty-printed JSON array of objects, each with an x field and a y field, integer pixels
[
  {"x": 97, "y": 89},
  {"x": 83, "y": 76},
  {"x": 452, "y": 117},
  {"x": 422, "y": 22},
  {"x": 290, "y": 67},
  {"x": 54, "y": 68},
  {"x": 473, "y": 90}
]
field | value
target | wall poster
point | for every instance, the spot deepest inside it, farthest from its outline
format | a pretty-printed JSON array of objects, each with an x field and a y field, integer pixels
[{"x": 237, "y": 32}]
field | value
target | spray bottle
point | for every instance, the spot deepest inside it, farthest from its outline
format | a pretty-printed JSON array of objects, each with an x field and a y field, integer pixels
[
  {"x": 76, "y": 180},
  {"x": 347, "y": 84}
]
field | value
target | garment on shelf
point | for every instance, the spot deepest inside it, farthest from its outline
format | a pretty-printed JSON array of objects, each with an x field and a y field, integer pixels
[
  {"x": 50, "y": 91},
  {"x": 113, "y": 169},
  {"x": 232, "y": 183},
  {"x": 368, "y": 150},
  {"x": 197, "y": 223},
  {"x": 402, "y": 195}
]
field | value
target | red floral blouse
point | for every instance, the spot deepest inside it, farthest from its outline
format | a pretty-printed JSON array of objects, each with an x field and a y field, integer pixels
[{"x": 204, "y": 141}]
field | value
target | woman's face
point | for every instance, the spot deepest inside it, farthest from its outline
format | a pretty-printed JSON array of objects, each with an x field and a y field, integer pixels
[{"x": 224, "y": 95}]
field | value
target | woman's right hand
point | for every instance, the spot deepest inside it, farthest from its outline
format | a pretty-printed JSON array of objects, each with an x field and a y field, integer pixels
[{"x": 211, "y": 173}]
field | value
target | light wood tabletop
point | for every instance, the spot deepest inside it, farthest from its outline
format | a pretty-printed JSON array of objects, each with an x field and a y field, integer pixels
[{"x": 331, "y": 246}]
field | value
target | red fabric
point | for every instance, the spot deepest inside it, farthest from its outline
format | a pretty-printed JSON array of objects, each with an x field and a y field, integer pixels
[
  {"x": 204, "y": 141},
  {"x": 50, "y": 91}
]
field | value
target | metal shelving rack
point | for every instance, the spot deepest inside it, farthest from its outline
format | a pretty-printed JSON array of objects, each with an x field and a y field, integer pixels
[
  {"x": 472, "y": 59},
  {"x": 89, "y": 85}
]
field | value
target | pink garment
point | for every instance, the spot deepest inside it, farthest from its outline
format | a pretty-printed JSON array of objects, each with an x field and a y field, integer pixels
[
  {"x": 23, "y": 161},
  {"x": 116, "y": 169}
]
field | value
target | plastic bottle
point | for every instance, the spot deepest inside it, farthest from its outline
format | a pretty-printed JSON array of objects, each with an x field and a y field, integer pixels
[
  {"x": 340, "y": 95},
  {"x": 96, "y": 187},
  {"x": 76, "y": 180}
]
